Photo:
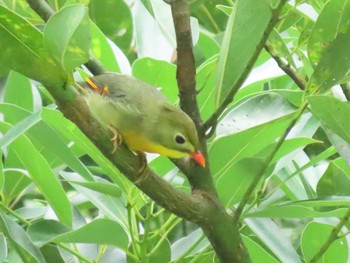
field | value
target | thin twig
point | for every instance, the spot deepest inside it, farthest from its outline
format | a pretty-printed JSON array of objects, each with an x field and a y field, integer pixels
[
  {"x": 286, "y": 68},
  {"x": 266, "y": 165},
  {"x": 332, "y": 237}
]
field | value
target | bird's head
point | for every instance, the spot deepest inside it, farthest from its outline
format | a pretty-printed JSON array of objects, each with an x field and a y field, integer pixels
[{"x": 176, "y": 131}]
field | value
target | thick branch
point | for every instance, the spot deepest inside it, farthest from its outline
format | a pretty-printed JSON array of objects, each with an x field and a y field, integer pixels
[{"x": 200, "y": 179}]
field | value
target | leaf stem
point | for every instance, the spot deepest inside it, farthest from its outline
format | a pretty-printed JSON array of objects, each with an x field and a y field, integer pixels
[{"x": 286, "y": 68}]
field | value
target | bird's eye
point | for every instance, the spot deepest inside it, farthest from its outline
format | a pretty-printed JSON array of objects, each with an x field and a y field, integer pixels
[{"x": 179, "y": 139}]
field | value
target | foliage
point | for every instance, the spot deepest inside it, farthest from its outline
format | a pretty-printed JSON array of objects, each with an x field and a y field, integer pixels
[{"x": 281, "y": 127}]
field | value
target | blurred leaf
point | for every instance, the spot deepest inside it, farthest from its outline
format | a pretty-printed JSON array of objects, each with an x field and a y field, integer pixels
[
  {"x": 158, "y": 73},
  {"x": 256, "y": 252},
  {"x": 287, "y": 147},
  {"x": 118, "y": 27},
  {"x": 333, "y": 20},
  {"x": 67, "y": 129},
  {"x": 333, "y": 113},
  {"x": 3, "y": 248},
  {"x": 341, "y": 145},
  {"x": 333, "y": 182},
  {"x": 182, "y": 245},
  {"x": 67, "y": 36},
  {"x": 21, "y": 45},
  {"x": 333, "y": 67},
  {"x": 242, "y": 43},
  {"x": 205, "y": 80},
  {"x": 44, "y": 231},
  {"x": 206, "y": 47},
  {"x": 42, "y": 175},
  {"x": 110, "y": 206},
  {"x": 254, "y": 111},
  {"x": 279, "y": 48},
  {"x": 101, "y": 187},
  {"x": 42, "y": 136},
  {"x": 105, "y": 232},
  {"x": 274, "y": 239},
  {"x": 330, "y": 201},
  {"x": 2, "y": 176},
  {"x": 230, "y": 149},
  {"x": 18, "y": 84},
  {"x": 102, "y": 49},
  {"x": 292, "y": 210},
  {"x": 313, "y": 238},
  {"x": 234, "y": 182},
  {"x": 163, "y": 253},
  {"x": 20, "y": 240},
  {"x": 208, "y": 15}
]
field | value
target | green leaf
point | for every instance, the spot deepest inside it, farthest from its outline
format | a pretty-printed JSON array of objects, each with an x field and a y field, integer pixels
[
  {"x": 3, "y": 247},
  {"x": 22, "y": 45},
  {"x": 248, "y": 129},
  {"x": 105, "y": 232},
  {"x": 256, "y": 252},
  {"x": 112, "y": 207},
  {"x": 234, "y": 182},
  {"x": 44, "y": 231},
  {"x": 244, "y": 38},
  {"x": 332, "y": 21},
  {"x": 273, "y": 238},
  {"x": 206, "y": 47},
  {"x": 158, "y": 73},
  {"x": 42, "y": 175},
  {"x": 67, "y": 36},
  {"x": 102, "y": 187},
  {"x": 20, "y": 240},
  {"x": 333, "y": 182},
  {"x": 333, "y": 113},
  {"x": 333, "y": 67},
  {"x": 287, "y": 147},
  {"x": 119, "y": 27},
  {"x": 42, "y": 136},
  {"x": 2, "y": 176},
  {"x": 315, "y": 235},
  {"x": 102, "y": 49},
  {"x": 213, "y": 19},
  {"x": 191, "y": 241},
  {"x": 68, "y": 130},
  {"x": 205, "y": 81},
  {"x": 18, "y": 84},
  {"x": 292, "y": 210}
]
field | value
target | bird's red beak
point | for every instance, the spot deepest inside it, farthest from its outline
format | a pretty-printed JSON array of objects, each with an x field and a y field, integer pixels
[{"x": 199, "y": 158}]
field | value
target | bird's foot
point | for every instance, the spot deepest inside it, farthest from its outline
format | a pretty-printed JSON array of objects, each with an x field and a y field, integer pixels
[
  {"x": 143, "y": 170},
  {"x": 116, "y": 139}
]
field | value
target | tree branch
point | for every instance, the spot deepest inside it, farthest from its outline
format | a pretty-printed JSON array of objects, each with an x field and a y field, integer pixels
[
  {"x": 332, "y": 237},
  {"x": 199, "y": 178},
  {"x": 286, "y": 68},
  {"x": 213, "y": 119}
]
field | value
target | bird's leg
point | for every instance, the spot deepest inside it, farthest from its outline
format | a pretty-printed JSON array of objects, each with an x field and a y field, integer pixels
[
  {"x": 143, "y": 167},
  {"x": 116, "y": 139}
]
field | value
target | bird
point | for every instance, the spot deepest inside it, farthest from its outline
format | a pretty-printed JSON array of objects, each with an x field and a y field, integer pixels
[{"x": 139, "y": 115}]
